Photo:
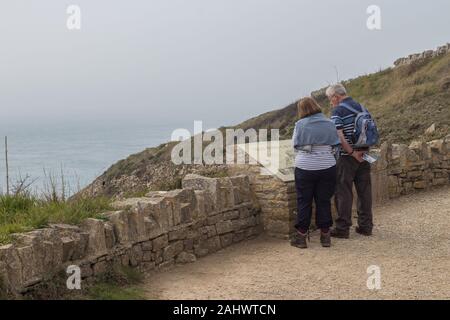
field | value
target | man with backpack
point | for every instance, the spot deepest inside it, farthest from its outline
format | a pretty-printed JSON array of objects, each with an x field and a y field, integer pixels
[{"x": 357, "y": 132}]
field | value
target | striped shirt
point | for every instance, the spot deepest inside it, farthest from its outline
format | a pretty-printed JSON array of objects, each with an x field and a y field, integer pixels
[
  {"x": 320, "y": 158},
  {"x": 344, "y": 120}
]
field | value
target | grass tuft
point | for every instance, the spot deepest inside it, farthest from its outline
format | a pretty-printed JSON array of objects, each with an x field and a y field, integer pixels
[{"x": 23, "y": 213}]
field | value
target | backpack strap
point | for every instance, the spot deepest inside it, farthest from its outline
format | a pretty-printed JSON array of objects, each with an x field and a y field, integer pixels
[{"x": 349, "y": 108}]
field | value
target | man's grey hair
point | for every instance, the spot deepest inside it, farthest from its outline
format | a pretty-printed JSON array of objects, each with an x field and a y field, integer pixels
[{"x": 336, "y": 89}]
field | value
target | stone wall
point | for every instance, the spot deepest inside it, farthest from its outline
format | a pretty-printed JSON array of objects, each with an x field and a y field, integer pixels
[
  {"x": 277, "y": 199},
  {"x": 419, "y": 166},
  {"x": 424, "y": 55},
  {"x": 148, "y": 233},
  {"x": 400, "y": 170}
]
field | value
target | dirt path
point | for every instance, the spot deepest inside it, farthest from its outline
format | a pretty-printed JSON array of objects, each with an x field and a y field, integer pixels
[{"x": 411, "y": 245}]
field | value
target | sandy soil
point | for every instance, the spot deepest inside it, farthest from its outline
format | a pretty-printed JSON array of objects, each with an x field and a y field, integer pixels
[{"x": 411, "y": 245}]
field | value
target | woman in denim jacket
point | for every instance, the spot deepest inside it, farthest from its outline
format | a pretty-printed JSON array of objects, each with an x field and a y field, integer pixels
[{"x": 314, "y": 140}]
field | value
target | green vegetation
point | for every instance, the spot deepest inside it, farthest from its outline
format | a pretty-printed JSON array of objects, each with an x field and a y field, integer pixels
[
  {"x": 118, "y": 284},
  {"x": 22, "y": 213},
  {"x": 108, "y": 291}
]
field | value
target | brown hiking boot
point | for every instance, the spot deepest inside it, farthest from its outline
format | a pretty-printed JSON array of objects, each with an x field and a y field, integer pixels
[
  {"x": 325, "y": 239},
  {"x": 363, "y": 232},
  {"x": 299, "y": 240},
  {"x": 341, "y": 234}
]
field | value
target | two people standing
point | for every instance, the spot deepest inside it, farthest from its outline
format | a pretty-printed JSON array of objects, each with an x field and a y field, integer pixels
[{"x": 318, "y": 142}]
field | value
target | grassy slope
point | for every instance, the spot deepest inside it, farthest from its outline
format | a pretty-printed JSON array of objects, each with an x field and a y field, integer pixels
[{"x": 404, "y": 100}]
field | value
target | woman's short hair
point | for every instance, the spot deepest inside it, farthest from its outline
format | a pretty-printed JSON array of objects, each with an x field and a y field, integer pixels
[{"x": 307, "y": 107}]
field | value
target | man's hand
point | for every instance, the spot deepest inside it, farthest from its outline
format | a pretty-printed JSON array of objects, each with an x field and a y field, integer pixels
[{"x": 358, "y": 155}]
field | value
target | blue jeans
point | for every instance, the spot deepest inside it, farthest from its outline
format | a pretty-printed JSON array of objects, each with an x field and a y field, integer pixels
[{"x": 317, "y": 186}]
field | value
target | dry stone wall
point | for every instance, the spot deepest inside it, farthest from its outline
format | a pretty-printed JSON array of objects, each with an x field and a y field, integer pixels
[
  {"x": 276, "y": 198},
  {"x": 149, "y": 233},
  {"x": 400, "y": 170},
  {"x": 418, "y": 166},
  {"x": 424, "y": 55}
]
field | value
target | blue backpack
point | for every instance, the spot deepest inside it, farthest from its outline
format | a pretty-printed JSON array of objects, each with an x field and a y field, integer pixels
[{"x": 366, "y": 133}]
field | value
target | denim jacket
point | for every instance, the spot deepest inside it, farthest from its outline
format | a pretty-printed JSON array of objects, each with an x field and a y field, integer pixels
[{"x": 315, "y": 130}]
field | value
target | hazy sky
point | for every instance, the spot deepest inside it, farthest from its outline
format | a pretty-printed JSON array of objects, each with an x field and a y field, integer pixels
[{"x": 220, "y": 61}]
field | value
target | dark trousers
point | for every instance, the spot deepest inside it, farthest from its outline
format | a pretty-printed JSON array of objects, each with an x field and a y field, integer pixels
[
  {"x": 349, "y": 172},
  {"x": 318, "y": 186}
]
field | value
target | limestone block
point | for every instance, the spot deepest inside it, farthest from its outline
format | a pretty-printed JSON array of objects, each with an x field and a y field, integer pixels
[
  {"x": 214, "y": 219},
  {"x": 395, "y": 171},
  {"x": 414, "y": 174},
  {"x": 226, "y": 240},
  {"x": 440, "y": 181},
  {"x": 438, "y": 146},
  {"x": 231, "y": 215},
  {"x": 186, "y": 211},
  {"x": 278, "y": 228},
  {"x": 201, "y": 250},
  {"x": 224, "y": 227},
  {"x": 73, "y": 240},
  {"x": 147, "y": 256},
  {"x": 147, "y": 245},
  {"x": 97, "y": 239},
  {"x": 211, "y": 231},
  {"x": 393, "y": 184},
  {"x": 213, "y": 244},
  {"x": 179, "y": 234},
  {"x": 420, "y": 184},
  {"x": 137, "y": 253},
  {"x": 204, "y": 205},
  {"x": 183, "y": 204},
  {"x": 68, "y": 248},
  {"x": 162, "y": 213},
  {"x": 156, "y": 209},
  {"x": 136, "y": 224},
  {"x": 10, "y": 258},
  {"x": 431, "y": 129},
  {"x": 153, "y": 229},
  {"x": 420, "y": 148},
  {"x": 110, "y": 238},
  {"x": 403, "y": 155},
  {"x": 185, "y": 257},
  {"x": 160, "y": 242},
  {"x": 119, "y": 220},
  {"x": 172, "y": 250},
  {"x": 221, "y": 190},
  {"x": 189, "y": 244},
  {"x": 239, "y": 236},
  {"x": 200, "y": 183},
  {"x": 242, "y": 189}
]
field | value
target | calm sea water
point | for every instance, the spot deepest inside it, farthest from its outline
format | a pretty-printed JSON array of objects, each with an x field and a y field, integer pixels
[{"x": 81, "y": 151}]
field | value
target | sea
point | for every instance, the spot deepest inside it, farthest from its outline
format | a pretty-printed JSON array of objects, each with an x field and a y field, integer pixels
[{"x": 74, "y": 154}]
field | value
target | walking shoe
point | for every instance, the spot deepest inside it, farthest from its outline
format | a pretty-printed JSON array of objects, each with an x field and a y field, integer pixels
[
  {"x": 299, "y": 240},
  {"x": 363, "y": 232},
  {"x": 325, "y": 239},
  {"x": 336, "y": 233}
]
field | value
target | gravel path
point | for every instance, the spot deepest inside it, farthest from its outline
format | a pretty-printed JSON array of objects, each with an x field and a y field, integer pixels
[{"x": 411, "y": 245}]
